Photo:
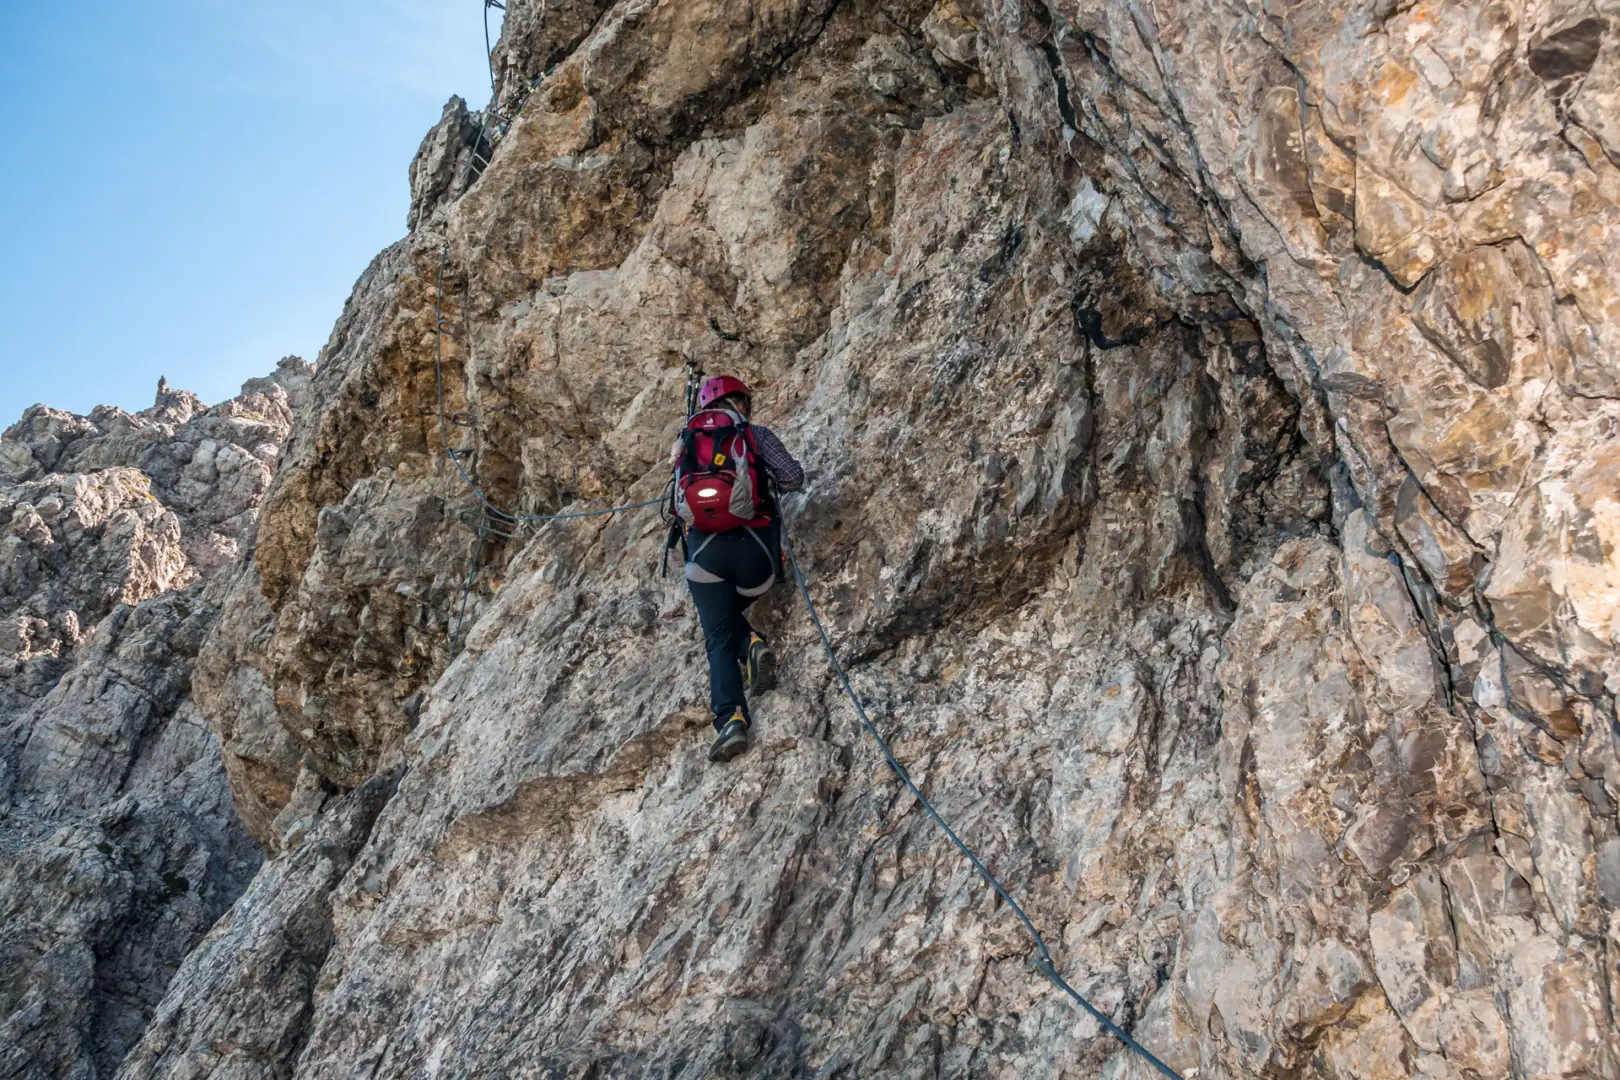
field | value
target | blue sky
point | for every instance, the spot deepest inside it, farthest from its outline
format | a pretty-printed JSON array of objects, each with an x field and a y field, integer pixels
[{"x": 191, "y": 187}]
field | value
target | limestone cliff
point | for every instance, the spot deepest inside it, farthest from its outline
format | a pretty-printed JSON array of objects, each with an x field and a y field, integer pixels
[
  {"x": 1213, "y": 424},
  {"x": 120, "y": 847}
]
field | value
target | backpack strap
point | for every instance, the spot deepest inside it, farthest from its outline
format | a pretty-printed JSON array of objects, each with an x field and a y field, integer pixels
[
  {"x": 765, "y": 483},
  {"x": 720, "y": 438},
  {"x": 689, "y": 462}
]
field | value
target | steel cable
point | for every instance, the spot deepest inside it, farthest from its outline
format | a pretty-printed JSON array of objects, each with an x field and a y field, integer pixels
[
  {"x": 493, "y": 512},
  {"x": 474, "y": 565},
  {"x": 489, "y": 49},
  {"x": 1045, "y": 964},
  {"x": 440, "y": 325},
  {"x": 486, "y": 132}
]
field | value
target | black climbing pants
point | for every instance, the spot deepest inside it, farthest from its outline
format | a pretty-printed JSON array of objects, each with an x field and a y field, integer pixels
[{"x": 726, "y": 572}]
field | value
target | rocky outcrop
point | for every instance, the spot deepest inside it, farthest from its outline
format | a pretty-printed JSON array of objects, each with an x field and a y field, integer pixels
[
  {"x": 120, "y": 844},
  {"x": 535, "y": 36},
  {"x": 249, "y": 982},
  {"x": 1211, "y": 423},
  {"x": 444, "y": 163},
  {"x": 114, "y": 508},
  {"x": 1210, "y": 446}
]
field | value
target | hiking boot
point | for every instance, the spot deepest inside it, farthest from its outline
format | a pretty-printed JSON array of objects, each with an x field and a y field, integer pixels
[
  {"x": 732, "y": 738},
  {"x": 759, "y": 670}
]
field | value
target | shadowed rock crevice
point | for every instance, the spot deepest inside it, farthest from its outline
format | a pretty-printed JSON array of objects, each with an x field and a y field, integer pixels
[{"x": 265, "y": 956}]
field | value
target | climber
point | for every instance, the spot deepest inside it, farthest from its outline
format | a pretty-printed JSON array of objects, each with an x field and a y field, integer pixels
[{"x": 726, "y": 474}]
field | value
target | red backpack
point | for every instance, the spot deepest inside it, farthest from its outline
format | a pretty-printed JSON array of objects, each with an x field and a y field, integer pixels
[{"x": 719, "y": 484}]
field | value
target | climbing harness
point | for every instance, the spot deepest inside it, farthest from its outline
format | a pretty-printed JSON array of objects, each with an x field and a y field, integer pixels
[
  {"x": 488, "y": 521},
  {"x": 1044, "y": 964}
]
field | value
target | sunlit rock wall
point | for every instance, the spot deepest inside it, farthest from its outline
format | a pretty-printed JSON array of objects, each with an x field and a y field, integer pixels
[{"x": 1211, "y": 421}]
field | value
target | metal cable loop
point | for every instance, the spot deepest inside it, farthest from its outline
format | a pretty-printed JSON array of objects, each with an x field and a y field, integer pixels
[
  {"x": 493, "y": 521},
  {"x": 1044, "y": 965}
]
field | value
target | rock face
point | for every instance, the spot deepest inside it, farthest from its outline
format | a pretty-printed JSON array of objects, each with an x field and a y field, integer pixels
[
  {"x": 114, "y": 508},
  {"x": 1213, "y": 423},
  {"x": 120, "y": 844}
]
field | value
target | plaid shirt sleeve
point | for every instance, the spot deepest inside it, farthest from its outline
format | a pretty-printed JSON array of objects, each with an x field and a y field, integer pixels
[{"x": 788, "y": 473}]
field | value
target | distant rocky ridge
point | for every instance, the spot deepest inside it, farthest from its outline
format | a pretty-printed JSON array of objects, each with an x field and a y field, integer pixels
[{"x": 120, "y": 846}]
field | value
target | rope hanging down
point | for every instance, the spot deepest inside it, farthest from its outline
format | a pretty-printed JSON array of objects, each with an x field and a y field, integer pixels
[{"x": 1045, "y": 965}]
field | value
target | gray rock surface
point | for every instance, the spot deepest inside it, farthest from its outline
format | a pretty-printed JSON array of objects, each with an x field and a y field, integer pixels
[
  {"x": 120, "y": 844},
  {"x": 444, "y": 162},
  {"x": 1211, "y": 418}
]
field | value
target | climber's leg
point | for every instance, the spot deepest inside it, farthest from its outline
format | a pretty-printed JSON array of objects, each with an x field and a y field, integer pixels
[
  {"x": 723, "y": 627},
  {"x": 725, "y": 634},
  {"x": 728, "y": 572},
  {"x": 758, "y": 659},
  {"x": 759, "y": 666}
]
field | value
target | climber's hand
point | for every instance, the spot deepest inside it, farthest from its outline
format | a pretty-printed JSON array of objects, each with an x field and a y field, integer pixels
[{"x": 675, "y": 454}]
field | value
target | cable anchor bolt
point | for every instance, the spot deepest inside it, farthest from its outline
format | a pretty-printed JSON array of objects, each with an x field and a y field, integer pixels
[{"x": 486, "y": 524}]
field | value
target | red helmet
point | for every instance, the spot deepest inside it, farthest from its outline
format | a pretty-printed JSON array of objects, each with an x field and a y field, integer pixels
[{"x": 718, "y": 387}]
